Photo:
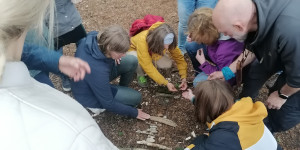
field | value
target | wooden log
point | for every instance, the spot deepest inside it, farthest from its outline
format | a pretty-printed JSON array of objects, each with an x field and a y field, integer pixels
[
  {"x": 163, "y": 94},
  {"x": 163, "y": 120},
  {"x": 153, "y": 145}
]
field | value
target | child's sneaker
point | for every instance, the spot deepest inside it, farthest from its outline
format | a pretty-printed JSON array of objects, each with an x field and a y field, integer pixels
[
  {"x": 142, "y": 81},
  {"x": 66, "y": 83}
]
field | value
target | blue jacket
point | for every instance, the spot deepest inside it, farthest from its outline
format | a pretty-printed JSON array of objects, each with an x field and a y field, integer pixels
[
  {"x": 95, "y": 91},
  {"x": 40, "y": 58}
]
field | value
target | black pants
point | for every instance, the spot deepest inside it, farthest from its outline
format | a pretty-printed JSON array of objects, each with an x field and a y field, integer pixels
[
  {"x": 71, "y": 37},
  {"x": 288, "y": 115}
]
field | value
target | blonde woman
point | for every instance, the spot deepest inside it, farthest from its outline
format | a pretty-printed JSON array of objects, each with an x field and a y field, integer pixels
[{"x": 33, "y": 115}]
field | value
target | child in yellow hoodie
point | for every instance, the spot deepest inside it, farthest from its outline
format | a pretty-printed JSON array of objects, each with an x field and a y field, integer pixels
[
  {"x": 156, "y": 48},
  {"x": 232, "y": 125}
]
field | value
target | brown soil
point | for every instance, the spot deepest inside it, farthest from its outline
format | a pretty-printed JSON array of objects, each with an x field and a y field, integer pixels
[{"x": 121, "y": 130}]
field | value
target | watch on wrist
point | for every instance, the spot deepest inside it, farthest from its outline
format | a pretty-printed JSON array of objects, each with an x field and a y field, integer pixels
[{"x": 283, "y": 96}]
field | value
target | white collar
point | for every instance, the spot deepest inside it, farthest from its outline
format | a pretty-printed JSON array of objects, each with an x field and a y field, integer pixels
[
  {"x": 224, "y": 37},
  {"x": 15, "y": 74}
]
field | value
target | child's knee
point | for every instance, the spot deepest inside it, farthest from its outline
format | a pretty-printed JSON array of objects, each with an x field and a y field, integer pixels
[
  {"x": 164, "y": 62},
  {"x": 131, "y": 61},
  {"x": 137, "y": 98}
]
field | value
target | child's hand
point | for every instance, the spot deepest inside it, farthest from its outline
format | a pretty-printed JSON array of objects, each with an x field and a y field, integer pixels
[
  {"x": 188, "y": 94},
  {"x": 200, "y": 56},
  {"x": 142, "y": 115},
  {"x": 183, "y": 85},
  {"x": 188, "y": 38},
  {"x": 171, "y": 87},
  {"x": 118, "y": 61},
  {"x": 216, "y": 75}
]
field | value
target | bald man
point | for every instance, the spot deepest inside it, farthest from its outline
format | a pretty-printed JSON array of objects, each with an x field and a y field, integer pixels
[{"x": 271, "y": 31}]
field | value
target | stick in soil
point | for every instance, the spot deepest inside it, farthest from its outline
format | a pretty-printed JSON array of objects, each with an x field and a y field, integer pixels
[
  {"x": 163, "y": 120},
  {"x": 163, "y": 94},
  {"x": 153, "y": 145}
]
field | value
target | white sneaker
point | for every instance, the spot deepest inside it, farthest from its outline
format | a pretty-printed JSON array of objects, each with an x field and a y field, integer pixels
[{"x": 96, "y": 110}]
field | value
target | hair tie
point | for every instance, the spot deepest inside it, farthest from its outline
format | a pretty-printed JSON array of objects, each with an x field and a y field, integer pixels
[{"x": 169, "y": 38}]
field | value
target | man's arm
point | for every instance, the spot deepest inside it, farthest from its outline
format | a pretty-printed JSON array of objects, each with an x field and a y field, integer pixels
[{"x": 275, "y": 102}]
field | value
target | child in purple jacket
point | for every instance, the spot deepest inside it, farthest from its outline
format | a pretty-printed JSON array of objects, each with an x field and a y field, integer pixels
[{"x": 221, "y": 50}]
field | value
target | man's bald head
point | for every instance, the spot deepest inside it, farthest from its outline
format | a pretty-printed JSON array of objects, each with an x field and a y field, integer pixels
[{"x": 232, "y": 17}]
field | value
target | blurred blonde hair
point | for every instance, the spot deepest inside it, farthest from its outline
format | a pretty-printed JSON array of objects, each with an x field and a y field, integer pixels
[
  {"x": 17, "y": 16},
  {"x": 201, "y": 28}
]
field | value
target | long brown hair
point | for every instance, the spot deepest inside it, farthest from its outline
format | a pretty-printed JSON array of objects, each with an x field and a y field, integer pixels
[
  {"x": 155, "y": 39},
  {"x": 114, "y": 38},
  {"x": 212, "y": 98},
  {"x": 201, "y": 27}
]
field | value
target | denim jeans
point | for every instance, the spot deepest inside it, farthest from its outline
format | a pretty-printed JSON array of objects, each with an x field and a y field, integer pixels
[
  {"x": 128, "y": 96},
  {"x": 126, "y": 69},
  {"x": 254, "y": 77},
  {"x": 185, "y": 9},
  {"x": 191, "y": 49},
  {"x": 199, "y": 78}
]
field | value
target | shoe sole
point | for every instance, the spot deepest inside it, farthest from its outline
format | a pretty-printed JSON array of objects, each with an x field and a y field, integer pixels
[{"x": 66, "y": 89}]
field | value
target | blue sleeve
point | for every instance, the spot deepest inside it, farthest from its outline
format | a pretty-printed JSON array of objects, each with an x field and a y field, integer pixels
[
  {"x": 98, "y": 81},
  {"x": 220, "y": 138},
  {"x": 40, "y": 58}
]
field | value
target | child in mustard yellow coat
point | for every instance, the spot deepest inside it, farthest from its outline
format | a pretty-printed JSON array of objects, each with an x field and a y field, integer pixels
[{"x": 156, "y": 48}]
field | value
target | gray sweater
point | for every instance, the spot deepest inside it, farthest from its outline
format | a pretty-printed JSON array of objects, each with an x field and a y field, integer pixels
[{"x": 277, "y": 41}]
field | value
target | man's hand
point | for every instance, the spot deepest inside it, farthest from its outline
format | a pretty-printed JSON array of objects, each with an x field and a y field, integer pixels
[
  {"x": 200, "y": 56},
  {"x": 216, "y": 75},
  {"x": 183, "y": 84},
  {"x": 142, "y": 115},
  {"x": 73, "y": 67},
  {"x": 274, "y": 101},
  {"x": 171, "y": 87}
]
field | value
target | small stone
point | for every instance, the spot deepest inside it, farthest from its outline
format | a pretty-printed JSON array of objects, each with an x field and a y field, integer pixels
[
  {"x": 152, "y": 130},
  {"x": 188, "y": 138},
  {"x": 193, "y": 134},
  {"x": 160, "y": 115},
  {"x": 151, "y": 140},
  {"x": 153, "y": 126},
  {"x": 161, "y": 139},
  {"x": 177, "y": 97}
]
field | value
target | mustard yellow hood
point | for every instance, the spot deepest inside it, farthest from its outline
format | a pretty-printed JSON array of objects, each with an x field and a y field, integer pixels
[{"x": 249, "y": 117}]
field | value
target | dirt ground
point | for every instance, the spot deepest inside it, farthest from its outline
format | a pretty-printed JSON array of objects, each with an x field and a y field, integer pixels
[{"x": 98, "y": 14}]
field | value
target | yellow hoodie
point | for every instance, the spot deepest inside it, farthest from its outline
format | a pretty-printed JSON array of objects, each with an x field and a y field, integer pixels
[
  {"x": 249, "y": 117},
  {"x": 139, "y": 44}
]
